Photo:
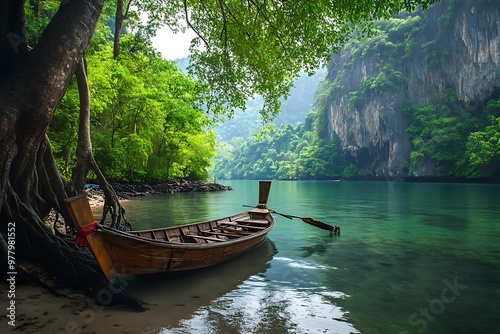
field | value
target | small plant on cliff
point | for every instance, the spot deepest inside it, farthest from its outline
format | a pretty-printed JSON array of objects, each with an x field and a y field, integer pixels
[{"x": 435, "y": 55}]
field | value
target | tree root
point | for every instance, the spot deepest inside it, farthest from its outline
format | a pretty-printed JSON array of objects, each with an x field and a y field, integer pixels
[
  {"x": 32, "y": 277},
  {"x": 108, "y": 294},
  {"x": 30, "y": 187}
]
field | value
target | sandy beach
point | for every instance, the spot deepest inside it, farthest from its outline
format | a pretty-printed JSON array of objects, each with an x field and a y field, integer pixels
[
  {"x": 28, "y": 307},
  {"x": 39, "y": 310}
]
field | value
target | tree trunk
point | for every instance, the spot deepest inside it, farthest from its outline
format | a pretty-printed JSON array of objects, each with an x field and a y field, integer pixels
[
  {"x": 30, "y": 90},
  {"x": 31, "y": 87},
  {"x": 120, "y": 17}
]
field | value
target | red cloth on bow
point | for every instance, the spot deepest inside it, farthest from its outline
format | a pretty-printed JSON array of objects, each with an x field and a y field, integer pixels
[{"x": 83, "y": 232}]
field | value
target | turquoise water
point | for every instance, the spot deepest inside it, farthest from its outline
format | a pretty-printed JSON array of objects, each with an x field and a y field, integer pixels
[{"x": 411, "y": 258}]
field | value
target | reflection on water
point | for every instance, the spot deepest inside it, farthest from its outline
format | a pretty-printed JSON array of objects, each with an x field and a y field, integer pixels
[
  {"x": 402, "y": 245},
  {"x": 181, "y": 294},
  {"x": 287, "y": 299}
]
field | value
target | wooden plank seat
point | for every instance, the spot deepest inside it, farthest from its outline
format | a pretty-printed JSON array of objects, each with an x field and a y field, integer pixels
[
  {"x": 204, "y": 238},
  {"x": 237, "y": 230},
  {"x": 230, "y": 234},
  {"x": 250, "y": 227},
  {"x": 261, "y": 222}
]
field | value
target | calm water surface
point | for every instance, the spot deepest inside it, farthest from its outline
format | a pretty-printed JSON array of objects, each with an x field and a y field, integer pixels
[{"x": 411, "y": 258}]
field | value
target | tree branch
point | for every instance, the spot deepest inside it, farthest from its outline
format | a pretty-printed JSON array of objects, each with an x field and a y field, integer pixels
[
  {"x": 128, "y": 8},
  {"x": 85, "y": 159},
  {"x": 271, "y": 24},
  {"x": 224, "y": 23},
  {"x": 192, "y": 27}
]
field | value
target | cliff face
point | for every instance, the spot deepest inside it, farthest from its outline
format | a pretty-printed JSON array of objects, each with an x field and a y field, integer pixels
[{"x": 452, "y": 45}]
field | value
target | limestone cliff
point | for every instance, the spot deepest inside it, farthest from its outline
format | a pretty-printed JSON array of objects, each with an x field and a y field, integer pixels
[{"x": 454, "y": 44}]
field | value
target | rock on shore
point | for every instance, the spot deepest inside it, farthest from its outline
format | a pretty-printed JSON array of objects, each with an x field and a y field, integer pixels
[
  {"x": 168, "y": 187},
  {"x": 128, "y": 190}
]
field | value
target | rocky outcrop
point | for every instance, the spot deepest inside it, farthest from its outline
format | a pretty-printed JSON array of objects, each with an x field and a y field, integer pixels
[
  {"x": 453, "y": 45},
  {"x": 168, "y": 187},
  {"x": 127, "y": 190}
]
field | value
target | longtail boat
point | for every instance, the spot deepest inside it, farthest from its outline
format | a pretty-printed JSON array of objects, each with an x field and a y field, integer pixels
[{"x": 172, "y": 249}]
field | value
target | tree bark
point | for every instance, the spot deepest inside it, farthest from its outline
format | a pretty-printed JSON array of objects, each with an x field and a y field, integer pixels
[
  {"x": 120, "y": 17},
  {"x": 31, "y": 86}
]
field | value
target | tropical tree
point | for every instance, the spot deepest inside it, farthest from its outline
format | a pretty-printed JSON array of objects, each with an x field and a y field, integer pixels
[
  {"x": 482, "y": 156},
  {"x": 241, "y": 49}
]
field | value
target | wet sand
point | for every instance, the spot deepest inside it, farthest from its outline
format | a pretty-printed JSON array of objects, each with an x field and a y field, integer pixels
[{"x": 39, "y": 311}]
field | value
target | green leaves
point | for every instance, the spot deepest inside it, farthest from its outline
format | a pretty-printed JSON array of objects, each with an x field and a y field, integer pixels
[
  {"x": 259, "y": 47},
  {"x": 482, "y": 156},
  {"x": 146, "y": 116},
  {"x": 447, "y": 134},
  {"x": 288, "y": 153}
]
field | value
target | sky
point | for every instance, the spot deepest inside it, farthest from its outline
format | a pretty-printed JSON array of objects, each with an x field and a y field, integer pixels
[{"x": 172, "y": 46}]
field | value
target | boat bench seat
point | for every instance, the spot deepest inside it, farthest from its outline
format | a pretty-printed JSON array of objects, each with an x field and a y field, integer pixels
[
  {"x": 250, "y": 227},
  {"x": 233, "y": 231},
  {"x": 230, "y": 234},
  {"x": 203, "y": 237},
  {"x": 257, "y": 222}
]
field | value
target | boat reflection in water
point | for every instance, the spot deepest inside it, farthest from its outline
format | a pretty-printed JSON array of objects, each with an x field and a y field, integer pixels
[
  {"x": 176, "y": 296},
  {"x": 283, "y": 296}
]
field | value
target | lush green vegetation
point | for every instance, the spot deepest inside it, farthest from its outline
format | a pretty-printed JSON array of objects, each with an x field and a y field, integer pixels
[
  {"x": 146, "y": 119},
  {"x": 482, "y": 155},
  {"x": 288, "y": 153},
  {"x": 463, "y": 141}
]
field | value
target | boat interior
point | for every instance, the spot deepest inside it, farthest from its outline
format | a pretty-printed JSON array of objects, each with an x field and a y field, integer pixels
[{"x": 208, "y": 232}]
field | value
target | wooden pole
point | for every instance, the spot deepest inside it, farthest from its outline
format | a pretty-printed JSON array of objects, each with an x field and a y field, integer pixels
[
  {"x": 81, "y": 214},
  {"x": 264, "y": 189}
]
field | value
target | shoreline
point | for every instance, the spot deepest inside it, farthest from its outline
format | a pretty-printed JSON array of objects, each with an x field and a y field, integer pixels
[{"x": 125, "y": 191}]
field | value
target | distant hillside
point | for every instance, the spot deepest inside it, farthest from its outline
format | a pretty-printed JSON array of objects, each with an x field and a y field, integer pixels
[{"x": 293, "y": 110}]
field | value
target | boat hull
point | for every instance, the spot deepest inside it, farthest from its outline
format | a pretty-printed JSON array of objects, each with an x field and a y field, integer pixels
[
  {"x": 172, "y": 249},
  {"x": 134, "y": 256}
]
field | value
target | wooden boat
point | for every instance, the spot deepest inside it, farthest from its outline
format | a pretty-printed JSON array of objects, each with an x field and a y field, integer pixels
[{"x": 172, "y": 249}]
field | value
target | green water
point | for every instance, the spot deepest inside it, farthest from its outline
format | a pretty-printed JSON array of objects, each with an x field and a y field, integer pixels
[{"x": 411, "y": 258}]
